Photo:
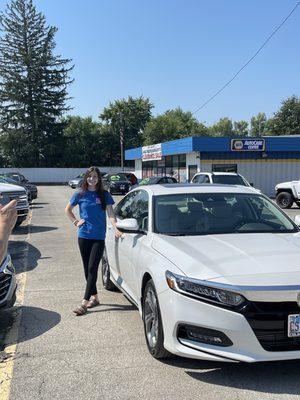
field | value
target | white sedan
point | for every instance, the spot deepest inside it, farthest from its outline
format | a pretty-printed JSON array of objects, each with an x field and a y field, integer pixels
[{"x": 214, "y": 271}]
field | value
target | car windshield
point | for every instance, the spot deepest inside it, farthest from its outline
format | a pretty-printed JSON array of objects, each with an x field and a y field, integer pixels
[
  {"x": 229, "y": 180},
  {"x": 148, "y": 181},
  {"x": 118, "y": 178},
  {"x": 7, "y": 180},
  {"x": 218, "y": 213}
]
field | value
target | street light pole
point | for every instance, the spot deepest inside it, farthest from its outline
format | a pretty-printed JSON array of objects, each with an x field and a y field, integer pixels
[{"x": 122, "y": 147}]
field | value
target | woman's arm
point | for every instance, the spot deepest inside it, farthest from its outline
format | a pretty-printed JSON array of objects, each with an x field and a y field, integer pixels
[
  {"x": 71, "y": 216},
  {"x": 8, "y": 218},
  {"x": 112, "y": 218}
]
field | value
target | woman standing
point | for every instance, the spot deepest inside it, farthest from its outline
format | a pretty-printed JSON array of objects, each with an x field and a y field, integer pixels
[{"x": 93, "y": 202}]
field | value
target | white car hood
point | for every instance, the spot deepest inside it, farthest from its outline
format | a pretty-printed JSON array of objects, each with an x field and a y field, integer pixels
[
  {"x": 239, "y": 259},
  {"x": 286, "y": 184},
  {"x": 7, "y": 187}
]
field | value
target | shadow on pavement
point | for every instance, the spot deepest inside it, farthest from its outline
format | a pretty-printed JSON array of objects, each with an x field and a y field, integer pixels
[
  {"x": 24, "y": 256},
  {"x": 279, "y": 377},
  {"x": 34, "y": 322},
  {"x": 114, "y": 307},
  {"x": 24, "y": 230}
]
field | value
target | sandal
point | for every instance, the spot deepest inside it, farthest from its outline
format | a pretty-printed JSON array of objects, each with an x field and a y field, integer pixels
[
  {"x": 92, "y": 303},
  {"x": 80, "y": 310}
]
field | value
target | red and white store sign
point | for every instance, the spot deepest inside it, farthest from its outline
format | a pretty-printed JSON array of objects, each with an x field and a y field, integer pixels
[{"x": 152, "y": 152}]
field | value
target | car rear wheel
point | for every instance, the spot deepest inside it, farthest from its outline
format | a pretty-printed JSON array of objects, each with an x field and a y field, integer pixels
[
  {"x": 284, "y": 200},
  {"x": 106, "y": 281},
  {"x": 152, "y": 322}
]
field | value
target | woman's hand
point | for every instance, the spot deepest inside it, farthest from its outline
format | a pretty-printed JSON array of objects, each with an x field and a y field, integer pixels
[
  {"x": 80, "y": 222},
  {"x": 8, "y": 216},
  {"x": 118, "y": 233}
]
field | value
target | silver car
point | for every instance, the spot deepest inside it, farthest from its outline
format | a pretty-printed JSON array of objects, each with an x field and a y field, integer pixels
[{"x": 8, "y": 285}]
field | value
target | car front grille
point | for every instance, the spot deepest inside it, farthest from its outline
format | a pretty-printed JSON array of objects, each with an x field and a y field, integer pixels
[
  {"x": 21, "y": 196},
  {"x": 269, "y": 322},
  {"x": 5, "y": 281}
]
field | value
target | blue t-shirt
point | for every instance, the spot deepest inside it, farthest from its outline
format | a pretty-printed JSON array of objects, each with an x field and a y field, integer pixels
[{"x": 90, "y": 210}]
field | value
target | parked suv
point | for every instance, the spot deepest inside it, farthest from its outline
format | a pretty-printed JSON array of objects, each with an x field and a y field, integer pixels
[
  {"x": 223, "y": 178},
  {"x": 31, "y": 189},
  {"x": 9, "y": 192},
  {"x": 288, "y": 193},
  {"x": 8, "y": 284}
]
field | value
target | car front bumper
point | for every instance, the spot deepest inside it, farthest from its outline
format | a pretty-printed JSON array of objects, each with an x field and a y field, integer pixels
[
  {"x": 177, "y": 309},
  {"x": 8, "y": 287}
]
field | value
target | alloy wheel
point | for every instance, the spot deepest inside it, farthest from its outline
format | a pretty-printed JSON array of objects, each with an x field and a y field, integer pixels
[{"x": 151, "y": 318}]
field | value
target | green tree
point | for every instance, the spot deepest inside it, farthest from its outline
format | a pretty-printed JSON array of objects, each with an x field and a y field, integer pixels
[
  {"x": 127, "y": 119},
  {"x": 173, "y": 124},
  {"x": 33, "y": 88},
  {"x": 82, "y": 142},
  {"x": 286, "y": 121},
  {"x": 223, "y": 127},
  {"x": 240, "y": 128},
  {"x": 258, "y": 124}
]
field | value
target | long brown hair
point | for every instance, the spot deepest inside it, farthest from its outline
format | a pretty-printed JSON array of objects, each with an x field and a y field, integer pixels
[{"x": 99, "y": 188}]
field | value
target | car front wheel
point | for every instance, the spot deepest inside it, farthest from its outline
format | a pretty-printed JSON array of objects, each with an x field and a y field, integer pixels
[
  {"x": 152, "y": 322},
  {"x": 284, "y": 200}
]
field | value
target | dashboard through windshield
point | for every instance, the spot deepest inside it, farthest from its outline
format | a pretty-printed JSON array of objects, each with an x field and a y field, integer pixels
[{"x": 218, "y": 213}]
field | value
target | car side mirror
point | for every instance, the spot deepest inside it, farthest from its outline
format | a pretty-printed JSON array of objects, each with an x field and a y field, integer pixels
[
  {"x": 297, "y": 220},
  {"x": 128, "y": 225}
]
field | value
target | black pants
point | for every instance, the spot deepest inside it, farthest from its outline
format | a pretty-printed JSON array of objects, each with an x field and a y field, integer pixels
[{"x": 91, "y": 253}]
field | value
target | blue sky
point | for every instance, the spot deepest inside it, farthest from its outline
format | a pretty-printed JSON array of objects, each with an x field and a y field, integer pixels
[{"x": 178, "y": 53}]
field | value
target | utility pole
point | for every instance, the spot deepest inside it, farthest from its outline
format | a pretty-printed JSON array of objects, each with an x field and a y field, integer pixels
[{"x": 122, "y": 141}]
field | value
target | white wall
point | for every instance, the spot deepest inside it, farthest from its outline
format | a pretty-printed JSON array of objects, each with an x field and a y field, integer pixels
[
  {"x": 55, "y": 175},
  {"x": 138, "y": 169},
  {"x": 192, "y": 158}
]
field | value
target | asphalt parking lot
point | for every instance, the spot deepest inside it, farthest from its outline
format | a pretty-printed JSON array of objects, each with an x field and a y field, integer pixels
[{"x": 102, "y": 355}]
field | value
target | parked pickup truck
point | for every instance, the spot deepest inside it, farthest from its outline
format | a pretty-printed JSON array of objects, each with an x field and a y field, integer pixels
[
  {"x": 9, "y": 192},
  {"x": 288, "y": 193}
]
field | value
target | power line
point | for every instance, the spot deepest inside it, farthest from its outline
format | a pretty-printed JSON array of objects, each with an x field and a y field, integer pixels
[{"x": 248, "y": 62}]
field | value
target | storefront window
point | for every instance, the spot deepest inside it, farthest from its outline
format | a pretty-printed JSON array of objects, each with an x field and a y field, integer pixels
[{"x": 170, "y": 165}]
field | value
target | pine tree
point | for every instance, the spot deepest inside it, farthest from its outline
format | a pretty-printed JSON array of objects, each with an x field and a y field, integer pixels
[{"x": 33, "y": 88}]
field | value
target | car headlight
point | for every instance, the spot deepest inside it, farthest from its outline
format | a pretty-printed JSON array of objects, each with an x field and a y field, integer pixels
[
  {"x": 194, "y": 288},
  {"x": 7, "y": 265}
]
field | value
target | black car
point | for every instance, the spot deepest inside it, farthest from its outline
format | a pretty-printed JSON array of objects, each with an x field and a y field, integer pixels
[
  {"x": 116, "y": 183},
  {"x": 156, "y": 180},
  {"x": 30, "y": 188}
]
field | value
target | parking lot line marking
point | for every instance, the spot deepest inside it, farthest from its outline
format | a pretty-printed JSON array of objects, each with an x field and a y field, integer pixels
[{"x": 7, "y": 367}]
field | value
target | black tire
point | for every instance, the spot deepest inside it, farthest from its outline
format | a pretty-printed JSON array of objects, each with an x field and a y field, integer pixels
[
  {"x": 151, "y": 316},
  {"x": 105, "y": 274},
  {"x": 298, "y": 203},
  {"x": 12, "y": 301},
  {"x": 19, "y": 221},
  {"x": 284, "y": 200}
]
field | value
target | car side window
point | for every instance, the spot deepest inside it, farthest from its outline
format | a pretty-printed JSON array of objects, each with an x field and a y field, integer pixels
[
  {"x": 140, "y": 209},
  {"x": 199, "y": 179},
  {"x": 206, "y": 179},
  {"x": 125, "y": 208},
  {"x": 135, "y": 205},
  {"x": 171, "y": 180}
]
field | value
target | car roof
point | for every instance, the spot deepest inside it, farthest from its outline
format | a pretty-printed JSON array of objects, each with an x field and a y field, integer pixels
[
  {"x": 219, "y": 173},
  {"x": 181, "y": 188}
]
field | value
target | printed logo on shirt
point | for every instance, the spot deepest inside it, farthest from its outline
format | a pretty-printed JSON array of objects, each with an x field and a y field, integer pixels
[{"x": 98, "y": 201}]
